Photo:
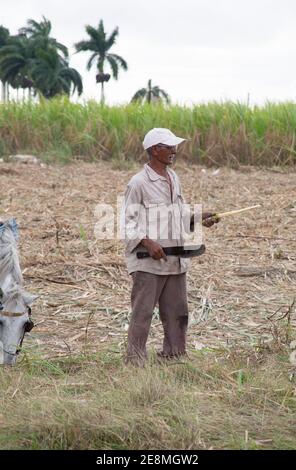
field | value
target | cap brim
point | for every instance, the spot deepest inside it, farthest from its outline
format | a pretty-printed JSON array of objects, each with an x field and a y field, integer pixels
[{"x": 173, "y": 141}]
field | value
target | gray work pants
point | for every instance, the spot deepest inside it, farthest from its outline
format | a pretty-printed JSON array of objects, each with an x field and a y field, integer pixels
[{"x": 169, "y": 291}]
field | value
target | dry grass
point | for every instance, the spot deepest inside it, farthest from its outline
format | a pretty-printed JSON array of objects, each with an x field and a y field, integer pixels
[
  {"x": 71, "y": 390},
  {"x": 217, "y": 400}
]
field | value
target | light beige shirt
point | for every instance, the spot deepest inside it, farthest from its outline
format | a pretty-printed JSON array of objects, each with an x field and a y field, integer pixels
[{"x": 151, "y": 210}]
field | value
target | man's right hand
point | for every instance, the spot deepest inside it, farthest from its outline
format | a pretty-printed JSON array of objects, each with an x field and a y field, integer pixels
[{"x": 154, "y": 249}]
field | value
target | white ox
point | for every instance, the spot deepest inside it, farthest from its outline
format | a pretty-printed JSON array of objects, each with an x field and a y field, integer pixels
[{"x": 15, "y": 312}]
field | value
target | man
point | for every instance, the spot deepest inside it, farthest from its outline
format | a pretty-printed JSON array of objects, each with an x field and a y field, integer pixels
[{"x": 154, "y": 218}]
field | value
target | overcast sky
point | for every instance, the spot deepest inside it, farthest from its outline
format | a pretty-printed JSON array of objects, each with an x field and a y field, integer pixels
[{"x": 197, "y": 50}]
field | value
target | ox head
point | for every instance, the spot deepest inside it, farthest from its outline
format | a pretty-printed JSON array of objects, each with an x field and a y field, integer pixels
[
  {"x": 15, "y": 321},
  {"x": 15, "y": 312},
  {"x": 13, "y": 327}
]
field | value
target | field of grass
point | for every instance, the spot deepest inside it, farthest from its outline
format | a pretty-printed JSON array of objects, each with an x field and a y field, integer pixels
[
  {"x": 70, "y": 388},
  {"x": 220, "y": 399},
  {"x": 219, "y": 133}
]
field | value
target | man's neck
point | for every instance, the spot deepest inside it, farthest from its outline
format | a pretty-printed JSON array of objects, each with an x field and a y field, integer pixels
[{"x": 158, "y": 167}]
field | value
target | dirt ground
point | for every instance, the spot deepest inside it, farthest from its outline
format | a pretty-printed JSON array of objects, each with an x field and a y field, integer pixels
[{"x": 239, "y": 292}]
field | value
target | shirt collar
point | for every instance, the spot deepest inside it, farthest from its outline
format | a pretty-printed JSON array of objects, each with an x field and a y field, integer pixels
[{"x": 153, "y": 176}]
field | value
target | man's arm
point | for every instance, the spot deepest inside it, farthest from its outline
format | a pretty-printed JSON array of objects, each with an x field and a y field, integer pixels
[
  {"x": 133, "y": 220},
  {"x": 134, "y": 224}
]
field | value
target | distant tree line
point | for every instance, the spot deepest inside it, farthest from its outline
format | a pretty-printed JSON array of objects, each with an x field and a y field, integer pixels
[{"x": 36, "y": 64}]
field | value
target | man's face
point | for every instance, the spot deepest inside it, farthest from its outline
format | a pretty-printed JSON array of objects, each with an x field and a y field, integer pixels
[{"x": 164, "y": 153}]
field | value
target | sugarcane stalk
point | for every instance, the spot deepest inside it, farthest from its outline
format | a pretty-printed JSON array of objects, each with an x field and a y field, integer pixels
[{"x": 220, "y": 215}]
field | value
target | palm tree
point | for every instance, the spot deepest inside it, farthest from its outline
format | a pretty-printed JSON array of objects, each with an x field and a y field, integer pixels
[
  {"x": 4, "y": 37},
  {"x": 99, "y": 44},
  {"x": 150, "y": 94},
  {"x": 32, "y": 59},
  {"x": 16, "y": 59},
  {"x": 40, "y": 32},
  {"x": 52, "y": 75}
]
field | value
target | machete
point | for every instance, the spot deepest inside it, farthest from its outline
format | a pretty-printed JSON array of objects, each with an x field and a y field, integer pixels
[{"x": 180, "y": 251}]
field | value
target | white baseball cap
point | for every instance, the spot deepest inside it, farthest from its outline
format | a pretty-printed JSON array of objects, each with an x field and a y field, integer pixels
[{"x": 159, "y": 135}]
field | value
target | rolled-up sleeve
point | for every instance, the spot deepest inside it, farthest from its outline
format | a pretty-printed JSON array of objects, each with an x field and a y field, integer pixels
[{"x": 133, "y": 217}]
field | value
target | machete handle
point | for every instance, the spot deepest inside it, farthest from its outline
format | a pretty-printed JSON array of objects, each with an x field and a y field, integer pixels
[{"x": 142, "y": 254}]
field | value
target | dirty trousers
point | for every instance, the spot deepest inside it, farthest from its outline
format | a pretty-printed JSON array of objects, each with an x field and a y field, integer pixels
[{"x": 169, "y": 291}]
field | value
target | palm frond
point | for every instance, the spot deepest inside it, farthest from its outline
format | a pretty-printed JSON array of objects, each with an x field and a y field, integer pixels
[
  {"x": 35, "y": 28},
  {"x": 97, "y": 42},
  {"x": 4, "y": 35},
  {"x": 139, "y": 95},
  {"x": 113, "y": 64},
  {"x": 53, "y": 76},
  {"x": 101, "y": 31},
  {"x": 61, "y": 47},
  {"x": 83, "y": 46},
  {"x": 74, "y": 78},
  {"x": 112, "y": 38},
  {"x": 91, "y": 60},
  {"x": 120, "y": 60},
  {"x": 93, "y": 33},
  {"x": 164, "y": 94}
]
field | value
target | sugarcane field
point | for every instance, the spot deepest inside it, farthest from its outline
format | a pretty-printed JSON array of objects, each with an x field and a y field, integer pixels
[
  {"x": 148, "y": 233},
  {"x": 241, "y": 295},
  {"x": 238, "y": 291}
]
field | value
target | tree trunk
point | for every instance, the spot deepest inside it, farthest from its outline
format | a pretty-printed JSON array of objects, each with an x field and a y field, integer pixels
[
  {"x": 3, "y": 92},
  {"x": 149, "y": 92},
  {"x": 102, "y": 94}
]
